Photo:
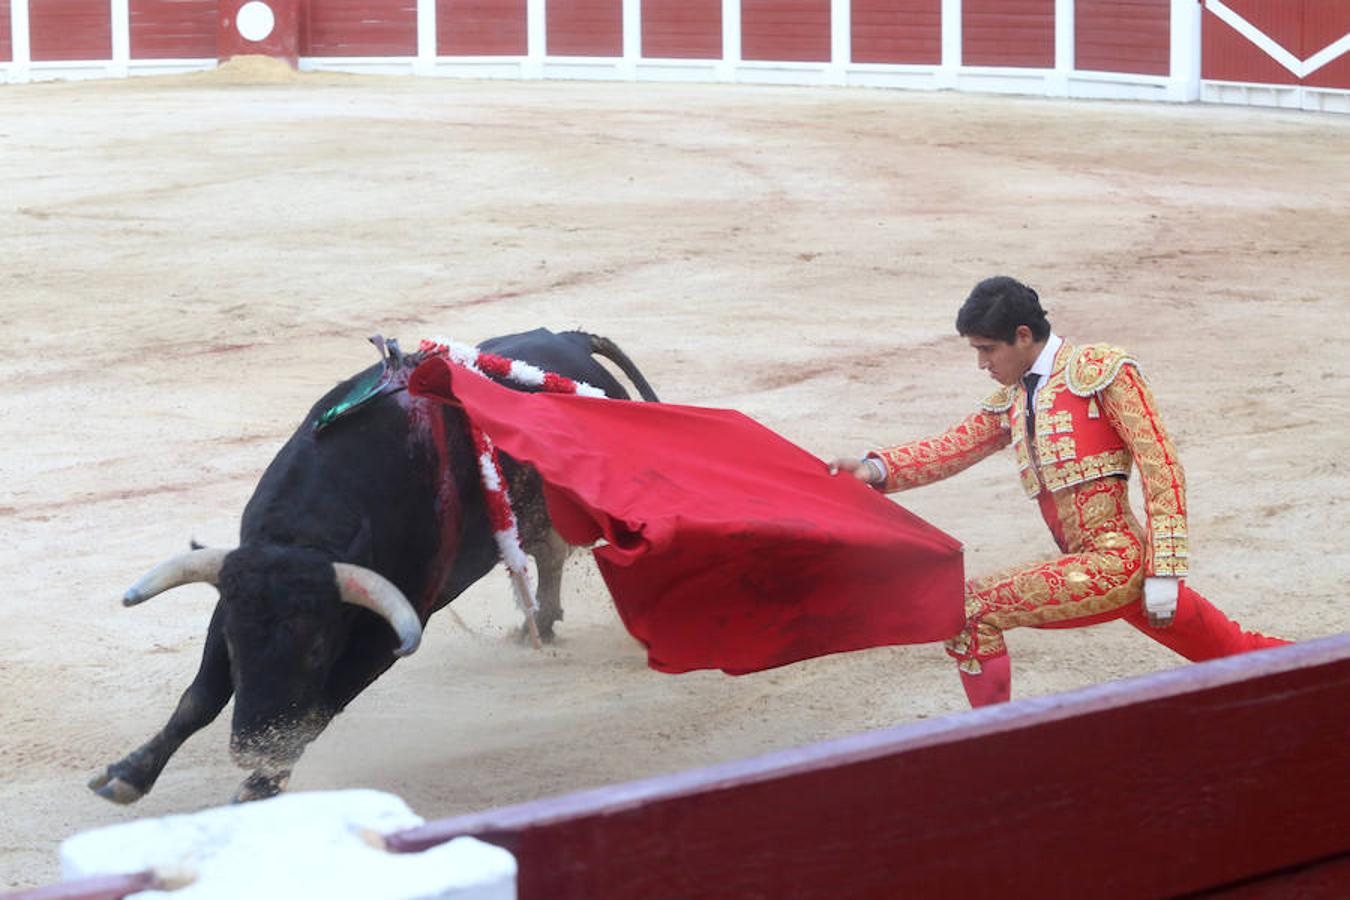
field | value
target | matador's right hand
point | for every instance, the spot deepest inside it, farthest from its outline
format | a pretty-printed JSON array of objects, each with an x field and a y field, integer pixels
[{"x": 868, "y": 470}]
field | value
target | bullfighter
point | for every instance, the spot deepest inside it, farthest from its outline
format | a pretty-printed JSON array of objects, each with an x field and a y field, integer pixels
[{"x": 1078, "y": 418}]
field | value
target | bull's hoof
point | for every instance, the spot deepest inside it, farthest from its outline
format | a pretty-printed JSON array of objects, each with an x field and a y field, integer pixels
[
  {"x": 110, "y": 787},
  {"x": 546, "y": 634},
  {"x": 259, "y": 787}
]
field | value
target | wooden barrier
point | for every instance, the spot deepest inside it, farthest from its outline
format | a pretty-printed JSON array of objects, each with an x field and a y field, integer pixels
[
  {"x": 1292, "y": 53},
  {"x": 1230, "y": 777}
]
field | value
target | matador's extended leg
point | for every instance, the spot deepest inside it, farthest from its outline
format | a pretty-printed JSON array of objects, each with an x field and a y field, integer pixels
[
  {"x": 1072, "y": 591},
  {"x": 1200, "y": 631}
]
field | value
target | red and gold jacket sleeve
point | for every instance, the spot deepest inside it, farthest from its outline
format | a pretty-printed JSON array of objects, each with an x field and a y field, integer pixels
[
  {"x": 1131, "y": 410},
  {"x": 935, "y": 458}
]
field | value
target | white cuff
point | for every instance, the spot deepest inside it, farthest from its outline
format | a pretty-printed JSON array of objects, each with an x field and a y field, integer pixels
[{"x": 1160, "y": 595}]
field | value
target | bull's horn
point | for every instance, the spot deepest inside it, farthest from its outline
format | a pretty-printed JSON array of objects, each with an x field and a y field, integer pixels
[
  {"x": 362, "y": 587},
  {"x": 186, "y": 568}
]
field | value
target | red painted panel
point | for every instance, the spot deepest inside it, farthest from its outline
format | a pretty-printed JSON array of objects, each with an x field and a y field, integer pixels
[
  {"x": 1236, "y": 767},
  {"x": 584, "y": 28},
  {"x": 359, "y": 28},
  {"x": 6, "y": 45},
  {"x": 1123, "y": 36},
  {"x": 1226, "y": 55},
  {"x": 173, "y": 29},
  {"x": 682, "y": 29},
  {"x": 1280, "y": 19},
  {"x": 481, "y": 28},
  {"x": 1017, "y": 33},
  {"x": 897, "y": 31},
  {"x": 69, "y": 29},
  {"x": 785, "y": 30},
  {"x": 1324, "y": 23}
]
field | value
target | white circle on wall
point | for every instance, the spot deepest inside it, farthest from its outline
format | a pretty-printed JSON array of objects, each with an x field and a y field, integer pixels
[{"x": 255, "y": 20}]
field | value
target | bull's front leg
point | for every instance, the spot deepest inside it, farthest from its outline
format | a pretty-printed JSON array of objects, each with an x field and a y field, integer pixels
[{"x": 132, "y": 777}]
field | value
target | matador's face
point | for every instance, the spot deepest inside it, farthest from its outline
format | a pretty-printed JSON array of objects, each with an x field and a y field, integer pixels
[{"x": 1006, "y": 362}]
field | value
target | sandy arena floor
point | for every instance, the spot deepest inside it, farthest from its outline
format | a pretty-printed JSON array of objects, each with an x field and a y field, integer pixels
[{"x": 189, "y": 262}]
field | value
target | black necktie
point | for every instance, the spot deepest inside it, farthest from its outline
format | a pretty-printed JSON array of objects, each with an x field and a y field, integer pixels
[{"x": 1029, "y": 382}]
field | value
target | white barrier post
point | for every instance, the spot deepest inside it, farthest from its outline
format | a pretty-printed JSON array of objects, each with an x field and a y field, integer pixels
[
  {"x": 946, "y": 76},
  {"x": 841, "y": 41},
  {"x": 632, "y": 39},
  {"x": 120, "y": 13},
  {"x": 425, "y": 63},
  {"x": 536, "y": 38},
  {"x": 731, "y": 40},
  {"x": 1184, "y": 81},
  {"x": 21, "y": 54},
  {"x": 1057, "y": 85}
]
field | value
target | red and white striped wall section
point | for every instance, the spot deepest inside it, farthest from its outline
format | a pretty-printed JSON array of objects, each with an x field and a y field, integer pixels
[{"x": 1290, "y": 53}]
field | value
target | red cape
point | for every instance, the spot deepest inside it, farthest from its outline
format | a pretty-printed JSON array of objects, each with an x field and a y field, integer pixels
[{"x": 726, "y": 546}]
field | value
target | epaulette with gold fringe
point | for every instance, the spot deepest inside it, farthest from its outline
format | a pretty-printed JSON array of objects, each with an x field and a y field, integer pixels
[
  {"x": 998, "y": 401},
  {"x": 1094, "y": 367}
]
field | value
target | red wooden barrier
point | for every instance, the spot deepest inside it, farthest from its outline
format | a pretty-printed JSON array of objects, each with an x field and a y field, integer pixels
[
  {"x": 1302, "y": 28},
  {"x": 69, "y": 30},
  {"x": 481, "y": 28},
  {"x": 104, "y": 887},
  {"x": 1229, "y": 777},
  {"x": 359, "y": 28},
  {"x": 785, "y": 30},
  {"x": 1008, "y": 33},
  {"x": 1326, "y": 21},
  {"x": 6, "y": 40},
  {"x": 1123, "y": 36},
  {"x": 584, "y": 27},
  {"x": 172, "y": 29},
  {"x": 682, "y": 29},
  {"x": 907, "y": 32}
]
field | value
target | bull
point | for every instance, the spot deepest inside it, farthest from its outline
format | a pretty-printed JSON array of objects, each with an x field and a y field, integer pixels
[{"x": 369, "y": 519}]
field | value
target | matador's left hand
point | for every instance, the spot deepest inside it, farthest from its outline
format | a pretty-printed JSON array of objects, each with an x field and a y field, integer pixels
[{"x": 1160, "y": 599}]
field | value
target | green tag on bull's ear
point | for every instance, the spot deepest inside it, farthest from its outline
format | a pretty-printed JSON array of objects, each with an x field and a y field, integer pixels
[{"x": 365, "y": 390}]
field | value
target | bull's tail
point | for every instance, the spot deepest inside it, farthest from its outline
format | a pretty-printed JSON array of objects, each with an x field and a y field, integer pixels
[{"x": 610, "y": 351}]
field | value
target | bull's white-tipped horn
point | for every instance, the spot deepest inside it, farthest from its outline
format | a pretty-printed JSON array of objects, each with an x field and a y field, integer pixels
[
  {"x": 362, "y": 587},
  {"x": 186, "y": 568}
]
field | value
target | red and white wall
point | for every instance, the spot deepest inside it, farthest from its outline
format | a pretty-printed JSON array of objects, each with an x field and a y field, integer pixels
[{"x": 1290, "y": 53}]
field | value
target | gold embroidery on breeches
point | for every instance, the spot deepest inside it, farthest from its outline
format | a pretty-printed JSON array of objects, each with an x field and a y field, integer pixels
[{"x": 1102, "y": 572}]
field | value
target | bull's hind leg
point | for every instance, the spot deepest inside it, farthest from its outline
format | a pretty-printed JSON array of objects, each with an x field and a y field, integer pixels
[
  {"x": 549, "y": 552},
  {"x": 132, "y": 777},
  {"x": 539, "y": 539}
]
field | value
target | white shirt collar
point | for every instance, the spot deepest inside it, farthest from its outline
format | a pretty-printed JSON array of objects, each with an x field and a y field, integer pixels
[{"x": 1045, "y": 363}]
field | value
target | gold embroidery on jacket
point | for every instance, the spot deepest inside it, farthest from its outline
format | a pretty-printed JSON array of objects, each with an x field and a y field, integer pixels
[
  {"x": 1101, "y": 573},
  {"x": 1077, "y": 471},
  {"x": 1130, "y": 409},
  {"x": 932, "y": 459},
  {"x": 1056, "y": 422}
]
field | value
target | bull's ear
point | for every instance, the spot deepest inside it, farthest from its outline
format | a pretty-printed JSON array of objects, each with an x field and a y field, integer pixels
[{"x": 201, "y": 565}]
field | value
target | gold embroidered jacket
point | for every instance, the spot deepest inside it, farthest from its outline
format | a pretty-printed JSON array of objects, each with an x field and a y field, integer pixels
[{"x": 1095, "y": 416}]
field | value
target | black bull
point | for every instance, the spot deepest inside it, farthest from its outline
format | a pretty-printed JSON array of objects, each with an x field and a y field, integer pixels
[{"x": 362, "y": 526}]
